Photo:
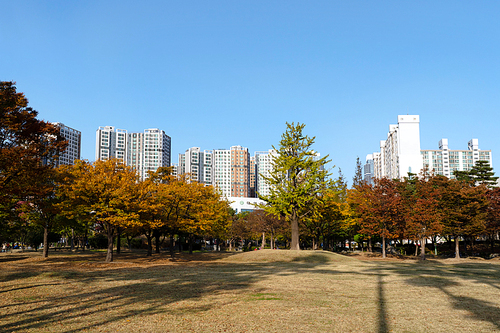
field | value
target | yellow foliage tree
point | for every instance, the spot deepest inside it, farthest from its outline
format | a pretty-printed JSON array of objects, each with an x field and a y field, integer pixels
[{"x": 106, "y": 191}]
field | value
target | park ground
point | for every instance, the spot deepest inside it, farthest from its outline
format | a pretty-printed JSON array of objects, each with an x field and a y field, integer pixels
[{"x": 258, "y": 291}]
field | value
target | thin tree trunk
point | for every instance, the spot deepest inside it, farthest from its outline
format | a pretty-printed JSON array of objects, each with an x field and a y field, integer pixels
[
  {"x": 457, "y": 248},
  {"x": 370, "y": 249},
  {"x": 72, "y": 239},
  {"x": 118, "y": 239},
  {"x": 190, "y": 244},
  {"x": 157, "y": 235},
  {"x": 172, "y": 245},
  {"x": 295, "y": 246},
  {"x": 422, "y": 248},
  {"x": 45, "y": 252},
  {"x": 383, "y": 247},
  {"x": 263, "y": 245},
  {"x": 149, "y": 237},
  {"x": 109, "y": 254}
]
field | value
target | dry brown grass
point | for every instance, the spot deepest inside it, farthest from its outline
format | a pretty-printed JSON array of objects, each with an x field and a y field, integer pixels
[{"x": 260, "y": 291}]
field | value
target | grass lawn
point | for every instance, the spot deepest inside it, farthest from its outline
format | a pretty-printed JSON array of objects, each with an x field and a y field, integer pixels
[{"x": 259, "y": 291}]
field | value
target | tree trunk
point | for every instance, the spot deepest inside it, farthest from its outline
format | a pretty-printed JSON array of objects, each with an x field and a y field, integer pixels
[
  {"x": 383, "y": 247},
  {"x": 263, "y": 245},
  {"x": 190, "y": 244},
  {"x": 272, "y": 240},
  {"x": 172, "y": 245},
  {"x": 72, "y": 239},
  {"x": 118, "y": 239},
  {"x": 370, "y": 249},
  {"x": 416, "y": 248},
  {"x": 295, "y": 232},
  {"x": 149, "y": 237},
  {"x": 109, "y": 254},
  {"x": 45, "y": 252},
  {"x": 422, "y": 248},
  {"x": 157, "y": 235},
  {"x": 457, "y": 248},
  {"x": 492, "y": 243}
]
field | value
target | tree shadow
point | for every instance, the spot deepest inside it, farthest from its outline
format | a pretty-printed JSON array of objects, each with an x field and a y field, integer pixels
[
  {"x": 154, "y": 287},
  {"x": 383, "y": 325},
  {"x": 447, "y": 278}
]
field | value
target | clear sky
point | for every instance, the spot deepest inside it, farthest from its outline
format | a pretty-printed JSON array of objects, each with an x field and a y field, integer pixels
[{"x": 214, "y": 74}]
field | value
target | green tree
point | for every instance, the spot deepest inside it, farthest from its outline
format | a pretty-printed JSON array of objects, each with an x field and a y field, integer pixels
[
  {"x": 480, "y": 173},
  {"x": 358, "y": 174},
  {"x": 297, "y": 177}
]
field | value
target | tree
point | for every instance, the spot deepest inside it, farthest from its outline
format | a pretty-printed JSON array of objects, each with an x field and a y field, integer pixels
[
  {"x": 480, "y": 173},
  {"x": 262, "y": 223},
  {"x": 358, "y": 174},
  {"x": 297, "y": 177},
  {"x": 105, "y": 191},
  {"x": 420, "y": 206},
  {"x": 464, "y": 209},
  {"x": 378, "y": 208},
  {"x": 493, "y": 219},
  {"x": 43, "y": 207},
  {"x": 29, "y": 148}
]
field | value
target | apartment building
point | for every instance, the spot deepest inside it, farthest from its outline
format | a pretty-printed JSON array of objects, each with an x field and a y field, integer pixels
[
  {"x": 400, "y": 154},
  {"x": 145, "y": 152},
  {"x": 197, "y": 163},
  {"x": 111, "y": 143},
  {"x": 445, "y": 161},
  {"x": 263, "y": 168},
  {"x": 73, "y": 150}
]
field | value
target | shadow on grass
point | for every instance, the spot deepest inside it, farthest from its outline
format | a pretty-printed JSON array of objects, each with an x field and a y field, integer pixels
[
  {"x": 135, "y": 291},
  {"x": 9, "y": 258},
  {"x": 448, "y": 279}
]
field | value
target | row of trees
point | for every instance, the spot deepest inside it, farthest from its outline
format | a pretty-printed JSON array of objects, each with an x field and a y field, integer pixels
[
  {"x": 305, "y": 205},
  {"x": 107, "y": 196},
  {"x": 429, "y": 207},
  {"x": 104, "y": 196}
]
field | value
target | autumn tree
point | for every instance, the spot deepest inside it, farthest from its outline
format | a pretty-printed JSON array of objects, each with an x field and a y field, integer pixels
[
  {"x": 297, "y": 177},
  {"x": 103, "y": 190},
  {"x": 29, "y": 148},
  {"x": 420, "y": 207},
  {"x": 464, "y": 209},
  {"x": 493, "y": 218},
  {"x": 264, "y": 223},
  {"x": 379, "y": 209}
]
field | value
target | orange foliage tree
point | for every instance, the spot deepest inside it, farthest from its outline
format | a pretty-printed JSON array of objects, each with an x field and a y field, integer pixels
[
  {"x": 104, "y": 190},
  {"x": 29, "y": 148}
]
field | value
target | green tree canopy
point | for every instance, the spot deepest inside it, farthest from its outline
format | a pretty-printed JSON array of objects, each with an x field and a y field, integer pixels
[{"x": 297, "y": 177}]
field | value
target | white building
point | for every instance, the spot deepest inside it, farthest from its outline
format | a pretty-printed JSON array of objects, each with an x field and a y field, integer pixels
[
  {"x": 145, "y": 151},
  {"x": 241, "y": 204},
  {"x": 111, "y": 143},
  {"x": 400, "y": 154},
  {"x": 73, "y": 150},
  {"x": 263, "y": 166},
  {"x": 222, "y": 171},
  {"x": 445, "y": 161},
  {"x": 197, "y": 163}
]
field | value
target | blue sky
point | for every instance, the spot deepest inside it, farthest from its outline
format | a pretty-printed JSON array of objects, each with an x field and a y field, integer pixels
[{"x": 214, "y": 74}]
